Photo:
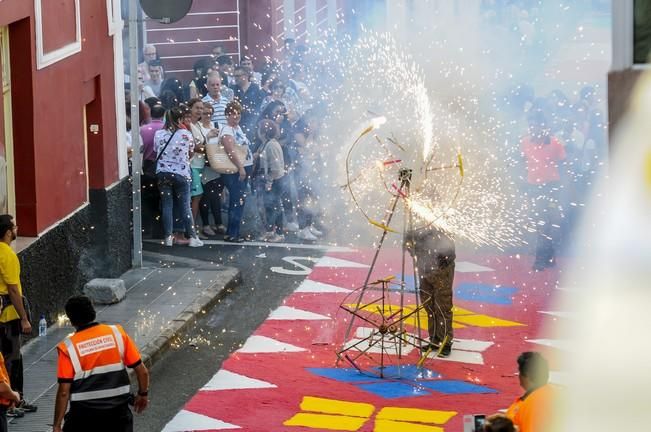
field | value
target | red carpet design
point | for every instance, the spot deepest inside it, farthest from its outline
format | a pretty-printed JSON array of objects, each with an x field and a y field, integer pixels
[{"x": 284, "y": 377}]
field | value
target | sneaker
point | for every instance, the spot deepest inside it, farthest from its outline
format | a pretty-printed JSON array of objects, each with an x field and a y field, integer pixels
[
  {"x": 169, "y": 241},
  {"x": 230, "y": 239},
  {"x": 305, "y": 234},
  {"x": 276, "y": 238},
  {"x": 26, "y": 407},
  {"x": 219, "y": 229},
  {"x": 266, "y": 236},
  {"x": 291, "y": 227},
  {"x": 315, "y": 231},
  {"x": 15, "y": 412},
  {"x": 207, "y": 230},
  {"x": 201, "y": 234},
  {"x": 195, "y": 242}
]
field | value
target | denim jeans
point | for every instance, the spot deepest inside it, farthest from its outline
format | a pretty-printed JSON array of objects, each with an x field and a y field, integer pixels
[
  {"x": 211, "y": 201},
  {"x": 273, "y": 207},
  {"x": 175, "y": 195},
  {"x": 546, "y": 215},
  {"x": 288, "y": 200},
  {"x": 236, "y": 197}
]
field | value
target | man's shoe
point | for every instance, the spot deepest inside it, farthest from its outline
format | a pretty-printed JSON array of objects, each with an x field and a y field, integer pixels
[
  {"x": 219, "y": 229},
  {"x": 207, "y": 230},
  {"x": 305, "y": 234},
  {"x": 231, "y": 239},
  {"x": 291, "y": 226},
  {"x": 26, "y": 407},
  {"x": 433, "y": 346},
  {"x": 315, "y": 231},
  {"x": 446, "y": 350},
  {"x": 169, "y": 241},
  {"x": 195, "y": 242},
  {"x": 276, "y": 238},
  {"x": 15, "y": 412}
]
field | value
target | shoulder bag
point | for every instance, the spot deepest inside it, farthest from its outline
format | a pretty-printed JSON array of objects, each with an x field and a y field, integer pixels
[{"x": 218, "y": 158}]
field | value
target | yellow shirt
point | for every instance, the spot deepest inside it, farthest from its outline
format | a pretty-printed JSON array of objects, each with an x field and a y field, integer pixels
[{"x": 9, "y": 275}]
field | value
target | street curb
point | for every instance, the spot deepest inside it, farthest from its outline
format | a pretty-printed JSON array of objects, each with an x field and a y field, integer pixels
[{"x": 154, "y": 350}]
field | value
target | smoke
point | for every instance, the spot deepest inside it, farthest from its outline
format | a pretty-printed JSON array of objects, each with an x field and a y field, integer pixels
[{"x": 449, "y": 82}]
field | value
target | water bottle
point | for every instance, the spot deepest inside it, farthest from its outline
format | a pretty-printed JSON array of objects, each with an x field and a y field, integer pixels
[{"x": 42, "y": 326}]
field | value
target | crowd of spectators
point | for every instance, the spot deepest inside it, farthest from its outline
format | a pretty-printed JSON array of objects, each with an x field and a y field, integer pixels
[
  {"x": 267, "y": 116},
  {"x": 564, "y": 147}
]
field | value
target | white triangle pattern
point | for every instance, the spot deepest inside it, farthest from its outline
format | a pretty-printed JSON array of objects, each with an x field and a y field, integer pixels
[
  {"x": 227, "y": 380},
  {"x": 286, "y": 313},
  {"x": 554, "y": 343},
  {"x": 468, "y": 267},
  {"x": 188, "y": 421},
  {"x": 310, "y": 286},
  {"x": 262, "y": 344},
  {"x": 328, "y": 261},
  {"x": 558, "y": 314}
]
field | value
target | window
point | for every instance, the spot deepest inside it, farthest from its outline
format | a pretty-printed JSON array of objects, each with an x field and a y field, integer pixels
[{"x": 641, "y": 31}]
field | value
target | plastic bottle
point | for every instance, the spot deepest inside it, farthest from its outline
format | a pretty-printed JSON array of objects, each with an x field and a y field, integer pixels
[{"x": 42, "y": 326}]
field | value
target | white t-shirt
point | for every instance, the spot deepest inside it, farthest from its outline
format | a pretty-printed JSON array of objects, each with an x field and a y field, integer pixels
[
  {"x": 199, "y": 159},
  {"x": 240, "y": 139},
  {"x": 176, "y": 157}
]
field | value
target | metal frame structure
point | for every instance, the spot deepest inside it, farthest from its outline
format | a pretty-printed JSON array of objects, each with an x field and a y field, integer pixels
[{"x": 389, "y": 326}]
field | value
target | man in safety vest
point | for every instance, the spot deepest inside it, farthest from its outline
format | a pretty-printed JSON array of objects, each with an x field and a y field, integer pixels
[
  {"x": 92, "y": 374},
  {"x": 535, "y": 410},
  {"x": 8, "y": 397}
]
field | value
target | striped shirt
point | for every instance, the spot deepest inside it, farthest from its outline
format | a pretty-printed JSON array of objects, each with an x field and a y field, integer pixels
[{"x": 218, "y": 107}]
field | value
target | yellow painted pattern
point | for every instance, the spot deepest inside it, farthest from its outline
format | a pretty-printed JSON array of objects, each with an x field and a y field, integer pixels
[
  {"x": 396, "y": 426},
  {"x": 456, "y": 310},
  {"x": 416, "y": 415},
  {"x": 326, "y": 421},
  {"x": 461, "y": 317},
  {"x": 331, "y": 414},
  {"x": 331, "y": 406},
  {"x": 485, "y": 321}
]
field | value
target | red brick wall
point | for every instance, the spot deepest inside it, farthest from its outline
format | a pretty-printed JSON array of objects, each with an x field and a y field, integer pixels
[{"x": 48, "y": 106}]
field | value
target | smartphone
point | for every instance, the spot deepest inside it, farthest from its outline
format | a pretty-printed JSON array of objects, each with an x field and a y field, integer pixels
[{"x": 480, "y": 419}]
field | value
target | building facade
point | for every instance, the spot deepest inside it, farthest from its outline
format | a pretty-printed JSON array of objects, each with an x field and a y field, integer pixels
[
  {"x": 242, "y": 27},
  {"x": 631, "y": 33},
  {"x": 63, "y": 167}
]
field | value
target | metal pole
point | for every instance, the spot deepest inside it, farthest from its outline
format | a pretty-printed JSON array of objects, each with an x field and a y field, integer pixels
[{"x": 136, "y": 158}]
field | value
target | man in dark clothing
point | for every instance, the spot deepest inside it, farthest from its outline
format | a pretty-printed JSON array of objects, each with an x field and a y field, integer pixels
[
  {"x": 434, "y": 254},
  {"x": 250, "y": 96}
]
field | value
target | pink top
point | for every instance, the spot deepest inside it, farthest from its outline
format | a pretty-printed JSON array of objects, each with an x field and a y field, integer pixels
[{"x": 542, "y": 160}]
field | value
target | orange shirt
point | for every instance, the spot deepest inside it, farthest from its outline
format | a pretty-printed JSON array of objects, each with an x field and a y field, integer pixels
[
  {"x": 542, "y": 160},
  {"x": 4, "y": 377},
  {"x": 535, "y": 412}
]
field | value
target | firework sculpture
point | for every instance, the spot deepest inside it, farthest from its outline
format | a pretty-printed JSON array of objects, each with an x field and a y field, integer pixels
[{"x": 383, "y": 338}]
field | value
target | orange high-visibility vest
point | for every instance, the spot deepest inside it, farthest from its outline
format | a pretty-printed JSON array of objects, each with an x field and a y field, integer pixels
[
  {"x": 94, "y": 361},
  {"x": 4, "y": 377}
]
